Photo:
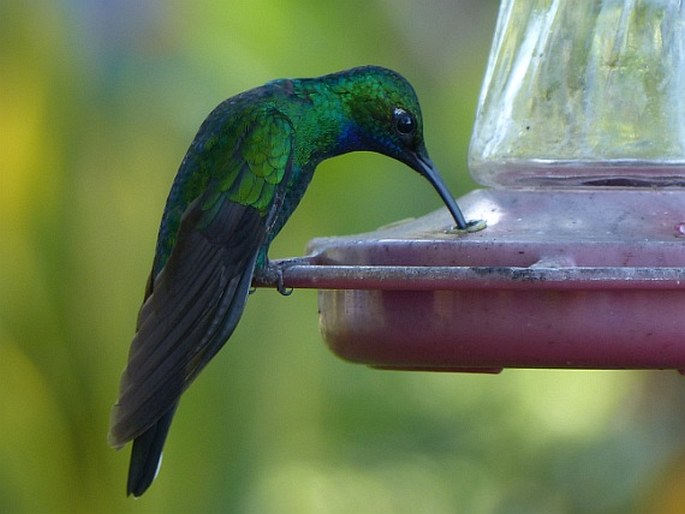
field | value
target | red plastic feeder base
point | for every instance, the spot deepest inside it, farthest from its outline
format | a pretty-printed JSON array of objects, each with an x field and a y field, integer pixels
[{"x": 557, "y": 279}]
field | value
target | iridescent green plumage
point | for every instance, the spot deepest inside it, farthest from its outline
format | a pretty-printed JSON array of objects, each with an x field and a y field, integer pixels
[{"x": 242, "y": 177}]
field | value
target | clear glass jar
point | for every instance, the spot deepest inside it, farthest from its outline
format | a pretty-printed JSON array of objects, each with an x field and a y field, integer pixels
[{"x": 587, "y": 92}]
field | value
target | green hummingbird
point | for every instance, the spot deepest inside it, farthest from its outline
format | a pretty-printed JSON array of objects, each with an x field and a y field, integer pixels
[{"x": 242, "y": 177}]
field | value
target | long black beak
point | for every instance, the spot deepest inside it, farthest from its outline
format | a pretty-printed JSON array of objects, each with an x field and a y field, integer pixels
[{"x": 428, "y": 170}]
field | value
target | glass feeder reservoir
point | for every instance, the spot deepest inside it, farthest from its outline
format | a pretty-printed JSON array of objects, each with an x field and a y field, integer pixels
[{"x": 583, "y": 93}]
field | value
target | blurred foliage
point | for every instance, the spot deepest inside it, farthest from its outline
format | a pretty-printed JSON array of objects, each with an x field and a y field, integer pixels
[{"x": 99, "y": 100}]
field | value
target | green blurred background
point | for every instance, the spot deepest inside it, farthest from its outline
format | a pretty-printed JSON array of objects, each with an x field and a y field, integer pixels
[{"x": 99, "y": 100}]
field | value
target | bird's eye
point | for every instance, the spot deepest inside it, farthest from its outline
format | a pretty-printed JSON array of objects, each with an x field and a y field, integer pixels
[{"x": 405, "y": 124}]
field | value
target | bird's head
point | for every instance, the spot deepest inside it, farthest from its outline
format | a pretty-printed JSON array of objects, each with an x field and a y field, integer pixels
[{"x": 383, "y": 115}]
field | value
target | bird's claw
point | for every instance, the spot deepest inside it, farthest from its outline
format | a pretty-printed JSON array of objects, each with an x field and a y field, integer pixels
[
  {"x": 272, "y": 275},
  {"x": 280, "y": 286},
  {"x": 277, "y": 268}
]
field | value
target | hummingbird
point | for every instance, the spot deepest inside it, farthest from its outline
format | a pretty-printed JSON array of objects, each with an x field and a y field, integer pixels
[{"x": 243, "y": 176}]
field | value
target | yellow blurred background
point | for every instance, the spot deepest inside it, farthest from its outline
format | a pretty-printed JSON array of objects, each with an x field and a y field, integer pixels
[{"x": 99, "y": 101}]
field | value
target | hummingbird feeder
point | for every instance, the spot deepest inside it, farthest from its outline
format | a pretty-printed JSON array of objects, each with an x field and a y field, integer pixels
[{"x": 579, "y": 141}]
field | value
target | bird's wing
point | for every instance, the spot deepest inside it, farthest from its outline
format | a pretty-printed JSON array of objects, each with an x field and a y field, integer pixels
[{"x": 196, "y": 300}]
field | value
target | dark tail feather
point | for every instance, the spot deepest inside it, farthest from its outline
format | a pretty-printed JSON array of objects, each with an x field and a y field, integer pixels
[{"x": 146, "y": 455}]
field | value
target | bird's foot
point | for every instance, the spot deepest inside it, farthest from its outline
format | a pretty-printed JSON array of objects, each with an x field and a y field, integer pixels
[
  {"x": 272, "y": 274},
  {"x": 280, "y": 285}
]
